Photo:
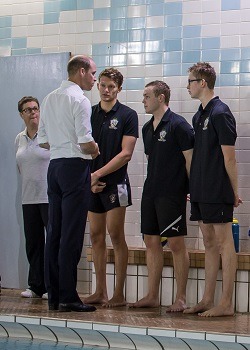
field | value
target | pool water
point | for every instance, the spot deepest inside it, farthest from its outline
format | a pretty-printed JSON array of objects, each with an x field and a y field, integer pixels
[{"x": 24, "y": 344}]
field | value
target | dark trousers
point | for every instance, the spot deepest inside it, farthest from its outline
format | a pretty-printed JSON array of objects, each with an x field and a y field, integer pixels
[
  {"x": 69, "y": 193},
  {"x": 35, "y": 218}
]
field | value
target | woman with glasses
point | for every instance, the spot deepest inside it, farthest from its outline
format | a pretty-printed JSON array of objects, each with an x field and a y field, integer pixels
[{"x": 32, "y": 163}]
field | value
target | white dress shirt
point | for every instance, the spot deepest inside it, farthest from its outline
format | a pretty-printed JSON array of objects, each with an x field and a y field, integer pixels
[{"x": 65, "y": 121}]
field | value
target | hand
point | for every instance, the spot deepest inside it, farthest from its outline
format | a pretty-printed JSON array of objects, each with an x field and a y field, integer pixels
[
  {"x": 237, "y": 201},
  {"x": 188, "y": 197},
  {"x": 98, "y": 187},
  {"x": 96, "y": 153},
  {"x": 94, "y": 179}
]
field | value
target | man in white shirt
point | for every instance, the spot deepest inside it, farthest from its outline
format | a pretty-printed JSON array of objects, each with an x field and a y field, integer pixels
[{"x": 65, "y": 129}]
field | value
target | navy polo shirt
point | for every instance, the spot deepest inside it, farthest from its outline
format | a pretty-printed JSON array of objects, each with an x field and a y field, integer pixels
[
  {"x": 108, "y": 130},
  {"x": 166, "y": 173},
  {"x": 214, "y": 126}
]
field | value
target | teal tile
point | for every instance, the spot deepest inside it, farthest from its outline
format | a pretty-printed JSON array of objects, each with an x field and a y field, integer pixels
[
  {"x": 118, "y": 24},
  {"x": 230, "y": 80},
  {"x": 172, "y": 57},
  {"x": 154, "y": 34},
  {"x": 118, "y": 48},
  {"x": 191, "y": 56},
  {"x": 135, "y": 83},
  {"x": 101, "y": 13},
  {"x": 52, "y": 17},
  {"x": 154, "y": 46},
  {"x": 136, "y": 47},
  {"x": 227, "y": 5},
  {"x": 136, "y": 35},
  {"x": 68, "y": 5},
  {"x": 136, "y": 2},
  {"x": 210, "y": 55},
  {"x": 245, "y": 79},
  {"x": 5, "y": 33},
  {"x": 52, "y": 6},
  {"x": 18, "y": 52},
  {"x": 19, "y": 43},
  {"x": 234, "y": 54},
  {"x": 100, "y": 49},
  {"x": 191, "y": 31},
  {"x": 5, "y": 21},
  {"x": 173, "y": 45},
  {"x": 192, "y": 44},
  {"x": 103, "y": 60},
  {"x": 149, "y": 2},
  {"x": 229, "y": 67},
  {"x": 173, "y": 8},
  {"x": 210, "y": 43},
  {"x": 136, "y": 23},
  {"x": 245, "y": 66},
  {"x": 173, "y": 20},
  {"x": 173, "y": 32},
  {"x": 33, "y": 50},
  {"x": 171, "y": 69},
  {"x": 5, "y": 42},
  {"x": 153, "y": 58},
  {"x": 245, "y": 53},
  {"x": 118, "y": 36},
  {"x": 85, "y": 4},
  {"x": 155, "y": 10},
  {"x": 118, "y": 3},
  {"x": 118, "y": 12}
]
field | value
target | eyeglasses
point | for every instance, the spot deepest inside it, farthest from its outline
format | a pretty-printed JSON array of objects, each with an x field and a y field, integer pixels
[
  {"x": 29, "y": 110},
  {"x": 190, "y": 80}
]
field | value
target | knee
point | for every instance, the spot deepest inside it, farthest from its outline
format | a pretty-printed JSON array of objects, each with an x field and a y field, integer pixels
[
  {"x": 118, "y": 239},
  {"x": 177, "y": 246},
  {"x": 98, "y": 238}
]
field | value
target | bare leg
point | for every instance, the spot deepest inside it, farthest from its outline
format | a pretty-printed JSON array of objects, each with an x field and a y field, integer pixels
[
  {"x": 155, "y": 266},
  {"x": 115, "y": 224},
  {"x": 224, "y": 238},
  {"x": 181, "y": 267},
  {"x": 98, "y": 239},
  {"x": 212, "y": 263}
]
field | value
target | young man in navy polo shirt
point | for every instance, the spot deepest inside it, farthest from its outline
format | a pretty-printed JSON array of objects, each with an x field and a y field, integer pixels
[
  {"x": 213, "y": 188},
  {"x": 168, "y": 142},
  {"x": 115, "y": 129}
]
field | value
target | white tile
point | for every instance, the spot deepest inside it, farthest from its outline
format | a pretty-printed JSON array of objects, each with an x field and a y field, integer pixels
[
  {"x": 242, "y": 302},
  {"x": 101, "y": 26},
  {"x": 137, "y": 11},
  {"x": 79, "y": 325},
  {"x": 7, "y": 318},
  {"x": 167, "y": 292},
  {"x": 101, "y": 3},
  {"x": 155, "y": 22},
  {"x": 101, "y": 37},
  {"x": 192, "y": 19},
  {"x": 161, "y": 332},
  {"x": 190, "y": 335},
  {"x": 133, "y": 330},
  {"x": 82, "y": 15},
  {"x": 53, "y": 322},
  {"x": 28, "y": 320},
  {"x": 220, "y": 337},
  {"x": 35, "y": 31},
  {"x": 131, "y": 289},
  {"x": 68, "y": 16}
]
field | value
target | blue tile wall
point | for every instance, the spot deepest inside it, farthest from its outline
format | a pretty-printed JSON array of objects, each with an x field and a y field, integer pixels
[
  {"x": 52, "y": 6},
  {"x": 85, "y": 4},
  {"x": 5, "y": 21},
  {"x": 173, "y": 8},
  {"x": 19, "y": 43},
  {"x": 173, "y": 20},
  {"x": 227, "y": 5},
  {"x": 155, "y": 10},
  {"x": 102, "y": 13},
  {"x": 5, "y": 33},
  {"x": 232, "y": 54},
  {"x": 51, "y": 17},
  {"x": 68, "y": 5}
]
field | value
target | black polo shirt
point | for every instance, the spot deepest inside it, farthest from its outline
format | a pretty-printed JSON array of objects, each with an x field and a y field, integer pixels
[
  {"x": 108, "y": 130},
  {"x": 166, "y": 173},
  {"x": 214, "y": 126}
]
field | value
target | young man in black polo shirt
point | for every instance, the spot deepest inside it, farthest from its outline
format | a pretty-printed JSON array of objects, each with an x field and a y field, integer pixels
[
  {"x": 115, "y": 129},
  {"x": 168, "y": 142},
  {"x": 213, "y": 188}
]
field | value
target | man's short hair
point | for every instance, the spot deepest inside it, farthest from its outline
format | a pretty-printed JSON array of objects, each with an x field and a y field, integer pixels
[
  {"x": 160, "y": 88},
  {"x": 203, "y": 70},
  {"x": 77, "y": 62},
  {"x": 24, "y": 100},
  {"x": 112, "y": 74}
]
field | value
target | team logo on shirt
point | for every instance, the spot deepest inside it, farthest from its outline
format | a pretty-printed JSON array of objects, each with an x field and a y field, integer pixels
[
  {"x": 163, "y": 134},
  {"x": 112, "y": 198},
  {"x": 113, "y": 123},
  {"x": 206, "y": 121}
]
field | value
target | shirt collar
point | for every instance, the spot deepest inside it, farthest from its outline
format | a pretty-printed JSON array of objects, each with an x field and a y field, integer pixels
[
  {"x": 209, "y": 105},
  {"x": 25, "y": 133},
  {"x": 114, "y": 108},
  {"x": 165, "y": 117}
]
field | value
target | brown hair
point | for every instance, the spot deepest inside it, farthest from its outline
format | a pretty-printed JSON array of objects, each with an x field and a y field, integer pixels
[
  {"x": 160, "y": 88},
  {"x": 203, "y": 70},
  {"x": 24, "y": 100},
  {"x": 77, "y": 62},
  {"x": 112, "y": 74}
]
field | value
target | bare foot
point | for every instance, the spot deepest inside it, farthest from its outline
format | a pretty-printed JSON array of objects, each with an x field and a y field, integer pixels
[
  {"x": 115, "y": 302},
  {"x": 218, "y": 311},
  {"x": 178, "y": 306},
  {"x": 145, "y": 302},
  {"x": 96, "y": 298},
  {"x": 199, "y": 308}
]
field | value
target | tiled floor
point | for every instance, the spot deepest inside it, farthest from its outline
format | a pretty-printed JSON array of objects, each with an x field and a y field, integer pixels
[{"x": 12, "y": 304}]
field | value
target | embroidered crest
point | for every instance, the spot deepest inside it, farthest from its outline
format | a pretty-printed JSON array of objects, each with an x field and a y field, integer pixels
[
  {"x": 113, "y": 123},
  {"x": 206, "y": 121},
  {"x": 112, "y": 198},
  {"x": 163, "y": 134}
]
